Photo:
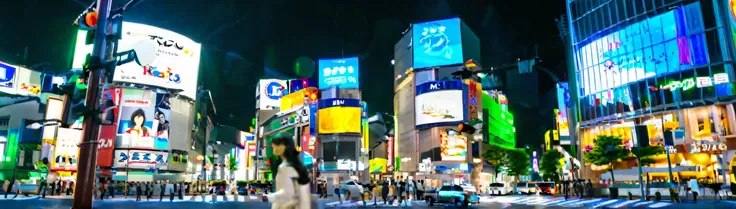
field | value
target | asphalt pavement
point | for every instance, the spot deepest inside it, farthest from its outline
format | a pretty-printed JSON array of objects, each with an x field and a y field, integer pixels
[{"x": 502, "y": 202}]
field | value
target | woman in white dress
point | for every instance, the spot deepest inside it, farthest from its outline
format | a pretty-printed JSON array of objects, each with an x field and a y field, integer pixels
[{"x": 292, "y": 179}]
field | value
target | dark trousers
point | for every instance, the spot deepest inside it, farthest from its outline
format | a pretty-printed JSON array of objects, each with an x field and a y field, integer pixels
[
  {"x": 112, "y": 193},
  {"x": 171, "y": 195},
  {"x": 181, "y": 195},
  {"x": 102, "y": 194},
  {"x": 42, "y": 190},
  {"x": 160, "y": 198},
  {"x": 138, "y": 196}
]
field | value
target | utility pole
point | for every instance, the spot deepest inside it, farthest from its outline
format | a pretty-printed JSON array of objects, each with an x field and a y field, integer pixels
[
  {"x": 88, "y": 148},
  {"x": 572, "y": 83}
]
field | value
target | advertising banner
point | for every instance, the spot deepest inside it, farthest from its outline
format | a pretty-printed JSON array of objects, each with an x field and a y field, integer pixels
[
  {"x": 453, "y": 146},
  {"x": 109, "y": 106},
  {"x": 7, "y": 78},
  {"x": 161, "y": 125},
  {"x": 475, "y": 93},
  {"x": 439, "y": 103},
  {"x": 107, "y": 146},
  {"x": 29, "y": 82},
  {"x": 343, "y": 73},
  {"x": 179, "y": 157},
  {"x": 167, "y": 59},
  {"x": 66, "y": 152},
  {"x": 563, "y": 100},
  {"x": 437, "y": 43},
  {"x": 377, "y": 165},
  {"x": 269, "y": 92},
  {"x": 140, "y": 159},
  {"x": 139, "y": 126},
  {"x": 339, "y": 116}
]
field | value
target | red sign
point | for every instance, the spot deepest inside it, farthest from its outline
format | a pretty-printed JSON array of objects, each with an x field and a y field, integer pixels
[
  {"x": 106, "y": 145},
  {"x": 305, "y": 143},
  {"x": 472, "y": 100},
  {"x": 390, "y": 151}
]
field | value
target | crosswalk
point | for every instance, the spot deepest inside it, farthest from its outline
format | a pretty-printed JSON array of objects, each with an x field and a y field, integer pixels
[{"x": 573, "y": 202}]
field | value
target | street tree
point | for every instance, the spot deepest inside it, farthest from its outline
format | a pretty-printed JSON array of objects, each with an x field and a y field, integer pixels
[
  {"x": 495, "y": 156},
  {"x": 606, "y": 151},
  {"x": 646, "y": 154},
  {"x": 518, "y": 162},
  {"x": 550, "y": 164}
]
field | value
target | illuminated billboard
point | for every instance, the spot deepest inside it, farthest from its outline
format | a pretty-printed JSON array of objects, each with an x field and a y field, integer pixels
[
  {"x": 437, "y": 43},
  {"x": 339, "y": 116},
  {"x": 144, "y": 120},
  {"x": 270, "y": 92},
  {"x": 7, "y": 78},
  {"x": 453, "y": 146},
  {"x": 165, "y": 59},
  {"x": 663, "y": 44},
  {"x": 343, "y": 73},
  {"x": 439, "y": 103},
  {"x": 66, "y": 151},
  {"x": 563, "y": 102}
]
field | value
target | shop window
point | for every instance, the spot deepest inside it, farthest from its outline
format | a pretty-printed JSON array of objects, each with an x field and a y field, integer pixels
[
  {"x": 694, "y": 18},
  {"x": 655, "y": 97},
  {"x": 669, "y": 28},
  {"x": 655, "y": 29},
  {"x": 724, "y": 125},
  {"x": 700, "y": 123},
  {"x": 709, "y": 19},
  {"x": 636, "y": 96},
  {"x": 673, "y": 56}
]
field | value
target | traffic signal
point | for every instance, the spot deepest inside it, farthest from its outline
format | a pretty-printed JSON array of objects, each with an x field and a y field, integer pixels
[
  {"x": 465, "y": 128},
  {"x": 87, "y": 20}
]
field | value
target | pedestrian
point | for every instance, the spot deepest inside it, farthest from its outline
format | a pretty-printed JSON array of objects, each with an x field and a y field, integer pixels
[
  {"x": 17, "y": 190},
  {"x": 138, "y": 191},
  {"x": 172, "y": 193},
  {"x": 69, "y": 188},
  {"x": 292, "y": 184},
  {"x": 147, "y": 190},
  {"x": 63, "y": 186},
  {"x": 180, "y": 191},
  {"x": 384, "y": 192},
  {"x": 43, "y": 186},
  {"x": 103, "y": 190},
  {"x": 111, "y": 188},
  {"x": 58, "y": 187},
  {"x": 162, "y": 192}
]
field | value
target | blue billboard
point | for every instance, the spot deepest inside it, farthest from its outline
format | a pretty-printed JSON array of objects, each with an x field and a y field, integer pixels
[
  {"x": 437, "y": 43},
  {"x": 343, "y": 73}
]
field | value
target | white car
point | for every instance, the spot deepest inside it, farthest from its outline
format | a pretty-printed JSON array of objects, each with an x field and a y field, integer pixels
[
  {"x": 501, "y": 188},
  {"x": 355, "y": 189}
]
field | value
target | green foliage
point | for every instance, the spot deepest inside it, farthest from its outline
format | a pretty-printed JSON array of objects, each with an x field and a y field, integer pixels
[
  {"x": 606, "y": 150},
  {"x": 646, "y": 154},
  {"x": 496, "y": 156},
  {"x": 549, "y": 164},
  {"x": 518, "y": 162},
  {"x": 241, "y": 183},
  {"x": 232, "y": 164}
]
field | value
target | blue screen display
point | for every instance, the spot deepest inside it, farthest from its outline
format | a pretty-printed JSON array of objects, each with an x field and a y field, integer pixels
[
  {"x": 343, "y": 73},
  {"x": 437, "y": 43}
]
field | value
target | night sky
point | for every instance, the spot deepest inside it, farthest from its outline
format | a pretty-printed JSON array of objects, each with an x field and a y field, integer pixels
[{"x": 242, "y": 38}]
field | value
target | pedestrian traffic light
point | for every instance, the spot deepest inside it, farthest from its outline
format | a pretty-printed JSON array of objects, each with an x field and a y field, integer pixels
[{"x": 87, "y": 20}]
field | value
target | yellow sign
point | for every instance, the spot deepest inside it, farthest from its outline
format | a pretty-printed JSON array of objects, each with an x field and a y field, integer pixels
[
  {"x": 335, "y": 120},
  {"x": 378, "y": 165},
  {"x": 296, "y": 99}
]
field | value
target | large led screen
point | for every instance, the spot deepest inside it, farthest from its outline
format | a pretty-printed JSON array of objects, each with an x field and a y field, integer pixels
[
  {"x": 660, "y": 45},
  {"x": 343, "y": 73},
  {"x": 339, "y": 116},
  {"x": 166, "y": 59},
  {"x": 439, "y": 103},
  {"x": 144, "y": 120},
  {"x": 437, "y": 43},
  {"x": 453, "y": 146}
]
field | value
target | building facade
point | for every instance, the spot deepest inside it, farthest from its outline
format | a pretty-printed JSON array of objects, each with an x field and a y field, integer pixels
[{"x": 666, "y": 65}]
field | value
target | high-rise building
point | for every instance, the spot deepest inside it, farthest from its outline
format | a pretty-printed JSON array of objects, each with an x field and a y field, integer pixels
[{"x": 666, "y": 65}]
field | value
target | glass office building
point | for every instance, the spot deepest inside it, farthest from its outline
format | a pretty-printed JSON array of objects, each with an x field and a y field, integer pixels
[{"x": 663, "y": 64}]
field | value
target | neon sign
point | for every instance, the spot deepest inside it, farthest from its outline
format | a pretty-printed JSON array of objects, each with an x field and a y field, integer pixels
[{"x": 700, "y": 82}]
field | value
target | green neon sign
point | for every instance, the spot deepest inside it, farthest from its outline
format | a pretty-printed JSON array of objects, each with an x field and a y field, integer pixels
[{"x": 685, "y": 84}]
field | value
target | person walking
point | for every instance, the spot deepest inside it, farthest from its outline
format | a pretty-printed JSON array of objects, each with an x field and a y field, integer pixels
[
  {"x": 43, "y": 186},
  {"x": 163, "y": 191},
  {"x": 180, "y": 192},
  {"x": 138, "y": 191},
  {"x": 292, "y": 179},
  {"x": 111, "y": 189},
  {"x": 172, "y": 192}
]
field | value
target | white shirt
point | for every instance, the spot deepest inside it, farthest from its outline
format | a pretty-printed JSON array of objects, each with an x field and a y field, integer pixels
[{"x": 288, "y": 191}]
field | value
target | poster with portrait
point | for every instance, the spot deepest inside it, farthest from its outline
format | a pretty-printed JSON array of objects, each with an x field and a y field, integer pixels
[
  {"x": 161, "y": 118},
  {"x": 137, "y": 127},
  {"x": 109, "y": 106}
]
